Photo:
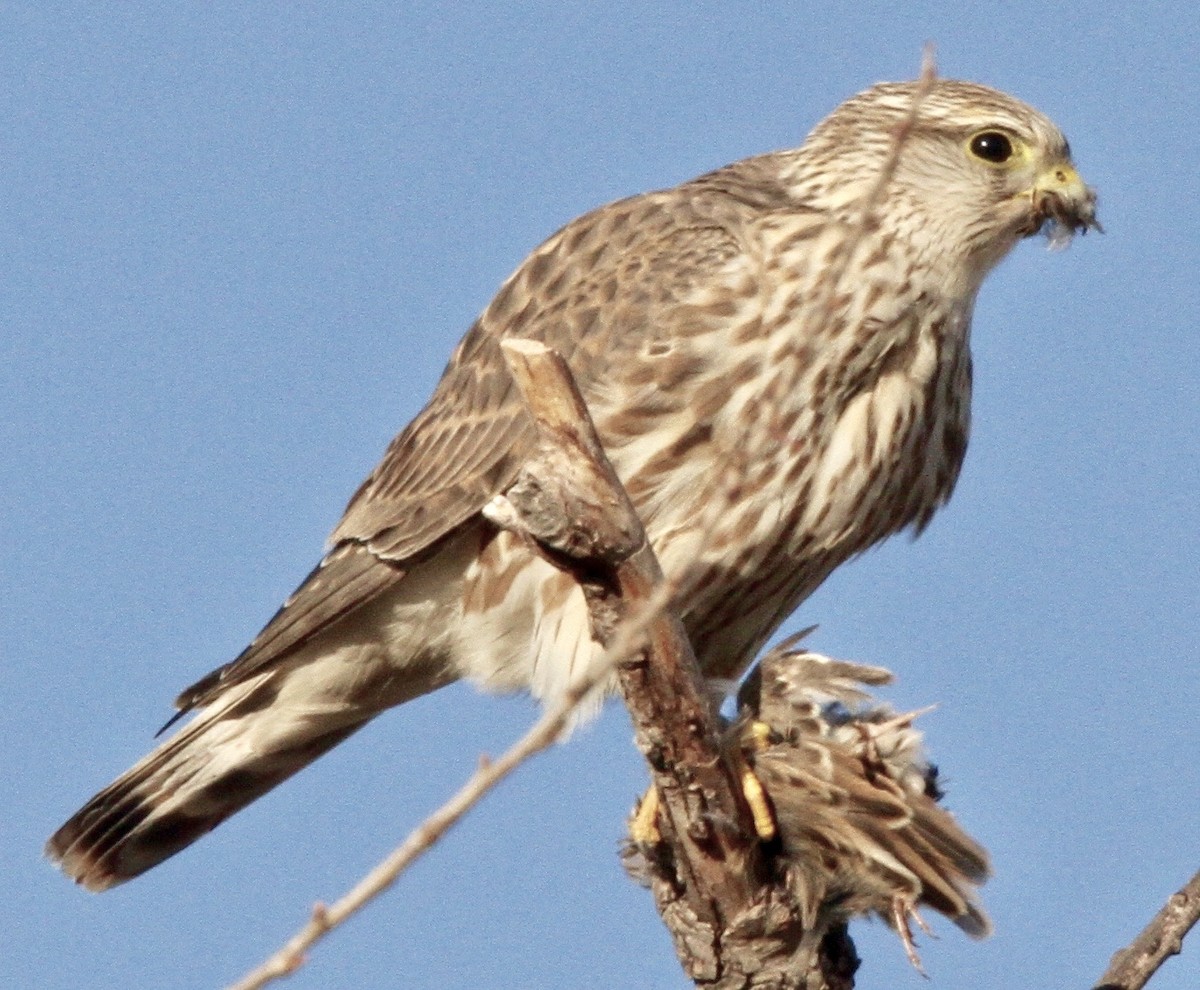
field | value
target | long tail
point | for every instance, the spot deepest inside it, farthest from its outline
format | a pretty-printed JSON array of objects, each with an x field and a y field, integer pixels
[{"x": 235, "y": 751}]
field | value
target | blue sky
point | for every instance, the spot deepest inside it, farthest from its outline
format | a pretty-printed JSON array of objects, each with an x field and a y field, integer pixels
[{"x": 240, "y": 241}]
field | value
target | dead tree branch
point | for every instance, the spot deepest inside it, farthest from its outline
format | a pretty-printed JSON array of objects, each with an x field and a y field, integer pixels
[{"x": 1132, "y": 967}]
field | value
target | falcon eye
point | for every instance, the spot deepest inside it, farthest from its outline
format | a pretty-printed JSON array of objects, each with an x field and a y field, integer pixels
[{"x": 992, "y": 146}]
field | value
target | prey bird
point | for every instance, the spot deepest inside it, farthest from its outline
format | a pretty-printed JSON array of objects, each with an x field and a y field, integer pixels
[
  {"x": 802, "y": 315},
  {"x": 854, "y": 799}
]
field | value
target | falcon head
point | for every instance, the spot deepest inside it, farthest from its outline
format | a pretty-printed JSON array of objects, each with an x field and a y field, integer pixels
[{"x": 960, "y": 170}]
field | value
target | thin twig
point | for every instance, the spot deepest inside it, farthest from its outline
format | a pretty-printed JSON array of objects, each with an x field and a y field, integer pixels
[
  {"x": 1132, "y": 967},
  {"x": 900, "y": 138},
  {"x": 324, "y": 919}
]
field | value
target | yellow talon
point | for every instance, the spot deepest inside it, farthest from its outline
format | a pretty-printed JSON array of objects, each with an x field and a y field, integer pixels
[
  {"x": 643, "y": 826},
  {"x": 760, "y": 805},
  {"x": 755, "y": 738}
]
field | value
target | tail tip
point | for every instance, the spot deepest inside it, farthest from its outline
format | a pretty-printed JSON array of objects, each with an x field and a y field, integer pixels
[{"x": 86, "y": 871}]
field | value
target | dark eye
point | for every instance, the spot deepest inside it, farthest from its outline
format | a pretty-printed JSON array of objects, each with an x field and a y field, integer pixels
[{"x": 992, "y": 146}]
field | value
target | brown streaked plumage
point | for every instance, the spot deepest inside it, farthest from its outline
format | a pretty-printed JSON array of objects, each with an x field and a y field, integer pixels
[
  {"x": 722, "y": 365},
  {"x": 854, "y": 799}
]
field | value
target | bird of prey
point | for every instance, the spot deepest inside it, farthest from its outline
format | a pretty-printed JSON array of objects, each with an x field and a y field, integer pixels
[{"x": 801, "y": 317}]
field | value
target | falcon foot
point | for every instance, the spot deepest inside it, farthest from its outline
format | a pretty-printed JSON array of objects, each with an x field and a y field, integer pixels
[
  {"x": 756, "y": 738},
  {"x": 643, "y": 824}
]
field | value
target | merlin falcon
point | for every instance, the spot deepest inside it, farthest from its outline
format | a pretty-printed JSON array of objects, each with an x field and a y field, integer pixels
[{"x": 799, "y": 318}]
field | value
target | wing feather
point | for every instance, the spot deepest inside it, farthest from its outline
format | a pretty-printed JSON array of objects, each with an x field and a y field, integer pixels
[{"x": 597, "y": 291}]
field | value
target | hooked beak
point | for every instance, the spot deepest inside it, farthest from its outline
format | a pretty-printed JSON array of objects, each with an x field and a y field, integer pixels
[{"x": 1062, "y": 200}]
